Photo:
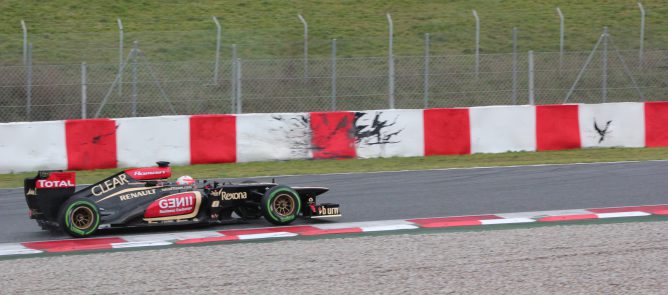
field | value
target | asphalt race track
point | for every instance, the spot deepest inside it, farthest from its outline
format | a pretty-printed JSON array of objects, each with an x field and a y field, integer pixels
[{"x": 434, "y": 193}]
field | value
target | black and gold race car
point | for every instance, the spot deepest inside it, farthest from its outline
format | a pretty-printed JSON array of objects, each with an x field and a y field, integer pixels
[{"x": 142, "y": 197}]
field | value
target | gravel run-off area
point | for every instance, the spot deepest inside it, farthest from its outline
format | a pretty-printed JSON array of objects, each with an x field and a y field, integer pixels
[{"x": 622, "y": 258}]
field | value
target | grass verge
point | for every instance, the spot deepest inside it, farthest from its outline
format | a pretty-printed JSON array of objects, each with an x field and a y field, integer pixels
[{"x": 233, "y": 170}]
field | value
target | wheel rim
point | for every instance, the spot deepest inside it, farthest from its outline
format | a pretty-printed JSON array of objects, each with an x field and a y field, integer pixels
[
  {"x": 284, "y": 205},
  {"x": 82, "y": 217}
]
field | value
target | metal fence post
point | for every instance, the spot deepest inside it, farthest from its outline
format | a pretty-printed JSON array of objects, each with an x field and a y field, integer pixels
[
  {"x": 514, "y": 97},
  {"x": 390, "y": 61},
  {"x": 29, "y": 83},
  {"x": 135, "y": 47},
  {"x": 604, "y": 69},
  {"x": 233, "y": 97},
  {"x": 584, "y": 67},
  {"x": 333, "y": 74},
  {"x": 531, "y": 76},
  {"x": 238, "y": 75},
  {"x": 425, "y": 86},
  {"x": 217, "y": 62},
  {"x": 561, "y": 38},
  {"x": 120, "y": 56},
  {"x": 301, "y": 18},
  {"x": 24, "y": 28},
  {"x": 84, "y": 90},
  {"x": 641, "y": 51},
  {"x": 477, "y": 44}
]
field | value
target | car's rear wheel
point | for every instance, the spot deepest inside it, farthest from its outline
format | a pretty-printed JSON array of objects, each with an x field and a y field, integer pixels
[
  {"x": 280, "y": 205},
  {"x": 79, "y": 217}
]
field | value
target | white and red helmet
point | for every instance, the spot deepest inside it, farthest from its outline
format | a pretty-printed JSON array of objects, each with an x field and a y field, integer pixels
[{"x": 185, "y": 180}]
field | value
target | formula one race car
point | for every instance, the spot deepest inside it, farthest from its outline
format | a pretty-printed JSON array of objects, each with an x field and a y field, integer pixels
[{"x": 141, "y": 197}]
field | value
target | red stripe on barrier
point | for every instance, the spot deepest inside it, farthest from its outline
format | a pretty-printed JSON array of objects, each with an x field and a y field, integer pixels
[
  {"x": 290, "y": 229},
  {"x": 74, "y": 245},
  {"x": 447, "y": 132},
  {"x": 654, "y": 209},
  {"x": 91, "y": 144},
  {"x": 213, "y": 139},
  {"x": 656, "y": 124},
  {"x": 557, "y": 127},
  {"x": 206, "y": 240},
  {"x": 333, "y": 135},
  {"x": 333, "y": 231},
  {"x": 567, "y": 217}
]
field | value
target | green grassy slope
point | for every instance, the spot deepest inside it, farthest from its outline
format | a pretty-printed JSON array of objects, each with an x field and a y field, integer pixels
[{"x": 271, "y": 28}]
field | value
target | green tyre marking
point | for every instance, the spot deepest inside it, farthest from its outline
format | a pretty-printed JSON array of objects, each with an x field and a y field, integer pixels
[
  {"x": 284, "y": 219},
  {"x": 76, "y": 230}
]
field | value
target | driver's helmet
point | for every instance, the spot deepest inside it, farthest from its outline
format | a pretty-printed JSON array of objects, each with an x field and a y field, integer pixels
[{"x": 185, "y": 180}]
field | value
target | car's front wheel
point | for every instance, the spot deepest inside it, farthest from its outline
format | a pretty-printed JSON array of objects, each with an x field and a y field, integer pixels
[
  {"x": 79, "y": 217},
  {"x": 280, "y": 205}
]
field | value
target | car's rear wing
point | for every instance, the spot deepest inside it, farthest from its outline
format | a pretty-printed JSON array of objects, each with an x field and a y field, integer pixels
[{"x": 45, "y": 192}]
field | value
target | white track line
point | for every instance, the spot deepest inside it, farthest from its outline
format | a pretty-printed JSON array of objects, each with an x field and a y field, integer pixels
[
  {"x": 622, "y": 214},
  {"x": 459, "y": 168},
  {"x": 536, "y": 214},
  {"x": 506, "y": 221},
  {"x": 388, "y": 227},
  {"x": 434, "y": 169},
  {"x": 16, "y": 249},
  {"x": 281, "y": 234}
]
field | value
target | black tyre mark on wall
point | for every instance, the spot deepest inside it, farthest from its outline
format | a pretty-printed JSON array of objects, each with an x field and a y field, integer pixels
[
  {"x": 378, "y": 131},
  {"x": 365, "y": 131},
  {"x": 341, "y": 126},
  {"x": 602, "y": 132},
  {"x": 96, "y": 139},
  {"x": 297, "y": 130}
]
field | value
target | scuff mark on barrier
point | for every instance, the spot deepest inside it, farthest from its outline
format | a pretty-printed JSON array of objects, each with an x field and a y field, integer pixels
[
  {"x": 602, "y": 132},
  {"x": 366, "y": 129},
  {"x": 96, "y": 139},
  {"x": 378, "y": 131},
  {"x": 298, "y": 132},
  {"x": 333, "y": 135}
]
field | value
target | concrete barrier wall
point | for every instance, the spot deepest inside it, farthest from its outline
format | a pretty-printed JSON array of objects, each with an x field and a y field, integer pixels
[{"x": 199, "y": 139}]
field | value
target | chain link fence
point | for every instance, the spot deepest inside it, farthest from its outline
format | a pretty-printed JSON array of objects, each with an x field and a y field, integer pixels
[{"x": 146, "y": 86}]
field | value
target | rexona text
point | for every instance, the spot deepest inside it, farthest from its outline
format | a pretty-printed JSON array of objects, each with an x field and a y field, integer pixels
[
  {"x": 109, "y": 185},
  {"x": 225, "y": 196}
]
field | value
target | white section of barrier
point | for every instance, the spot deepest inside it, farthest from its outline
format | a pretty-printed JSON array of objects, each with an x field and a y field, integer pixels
[
  {"x": 389, "y": 133},
  {"x": 498, "y": 129},
  {"x": 29, "y": 146},
  {"x": 143, "y": 141},
  {"x": 265, "y": 137},
  {"x": 612, "y": 124}
]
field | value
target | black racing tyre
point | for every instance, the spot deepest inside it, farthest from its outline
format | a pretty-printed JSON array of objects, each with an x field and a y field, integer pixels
[
  {"x": 280, "y": 205},
  {"x": 79, "y": 217}
]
